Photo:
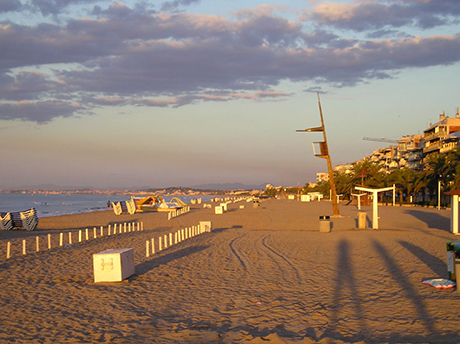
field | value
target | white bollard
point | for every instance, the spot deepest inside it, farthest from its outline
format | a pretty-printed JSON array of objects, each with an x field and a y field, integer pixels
[
  {"x": 147, "y": 244},
  {"x": 94, "y": 232},
  {"x": 24, "y": 247},
  {"x": 142, "y": 226},
  {"x": 102, "y": 231},
  {"x": 159, "y": 244},
  {"x": 175, "y": 238},
  {"x": 87, "y": 234},
  {"x": 61, "y": 239},
  {"x": 129, "y": 227},
  {"x": 79, "y": 235},
  {"x": 115, "y": 228},
  {"x": 170, "y": 239},
  {"x": 8, "y": 250},
  {"x": 49, "y": 241},
  {"x": 166, "y": 241},
  {"x": 108, "y": 230},
  {"x": 153, "y": 246},
  {"x": 124, "y": 227},
  {"x": 138, "y": 228},
  {"x": 70, "y": 238},
  {"x": 37, "y": 243}
]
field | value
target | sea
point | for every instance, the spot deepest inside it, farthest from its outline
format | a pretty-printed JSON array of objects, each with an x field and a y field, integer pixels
[{"x": 64, "y": 204}]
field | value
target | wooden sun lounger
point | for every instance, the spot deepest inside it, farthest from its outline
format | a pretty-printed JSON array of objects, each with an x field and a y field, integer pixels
[
  {"x": 120, "y": 207},
  {"x": 21, "y": 219}
]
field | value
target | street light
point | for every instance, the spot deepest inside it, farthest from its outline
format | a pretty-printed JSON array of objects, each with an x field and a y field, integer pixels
[
  {"x": 324, "y": 154},
  {"x": 439, "y": 192}
]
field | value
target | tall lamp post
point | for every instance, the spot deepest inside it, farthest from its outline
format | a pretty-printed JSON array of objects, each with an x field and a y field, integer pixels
[{"x": 324, "y": 154}]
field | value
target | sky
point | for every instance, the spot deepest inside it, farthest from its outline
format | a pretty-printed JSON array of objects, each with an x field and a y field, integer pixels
[{"x": 128, "y": 94}]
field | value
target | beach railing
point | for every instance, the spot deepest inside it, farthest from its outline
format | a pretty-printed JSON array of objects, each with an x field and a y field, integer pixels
[
  {"x": 83, "y": 236},
  {"x": 178, "y": 212},
  {"x": 179, "y": 236}
]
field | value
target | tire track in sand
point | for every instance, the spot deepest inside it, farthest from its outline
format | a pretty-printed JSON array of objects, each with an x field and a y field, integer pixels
[
  {"x": 271, "y": 252},
  {"x": 238, "y": 254}
]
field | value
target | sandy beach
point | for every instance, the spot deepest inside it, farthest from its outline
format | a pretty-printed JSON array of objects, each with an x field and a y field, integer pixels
[{"x": 263, "y": 275}]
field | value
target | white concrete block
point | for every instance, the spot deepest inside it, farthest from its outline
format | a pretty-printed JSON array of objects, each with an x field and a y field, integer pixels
[
  {"x": 305, "y": 198},
  {"x": 205, "y": 226},
  {"x": 113, "y": 265}
]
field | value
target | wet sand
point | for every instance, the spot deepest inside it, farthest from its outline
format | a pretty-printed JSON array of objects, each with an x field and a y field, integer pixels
[{"x": 262, "y": 275}]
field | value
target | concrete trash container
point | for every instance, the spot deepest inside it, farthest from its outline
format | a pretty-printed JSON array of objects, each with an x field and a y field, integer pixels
[
  {"x": 113, "y": 265},
  {"x": 324, "y": 224},
  {"x": 457, "y": 272},
  {"x": 453, "y": 252},
  {"x": 362, "y": 220}
]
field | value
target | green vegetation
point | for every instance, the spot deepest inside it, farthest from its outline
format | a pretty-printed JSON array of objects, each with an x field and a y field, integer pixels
[{"x": 410, "y": 185}]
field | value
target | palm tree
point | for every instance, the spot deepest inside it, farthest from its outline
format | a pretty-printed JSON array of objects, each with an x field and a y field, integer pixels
[
  {"x": 437, "y": 169},
  {"x": 404, "y": 179},
  {"x": 453, "y": 169}
]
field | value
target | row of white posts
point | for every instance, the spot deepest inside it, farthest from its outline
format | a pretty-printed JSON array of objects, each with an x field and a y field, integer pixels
[
  {"x": 166, "y": 240},
  {"x": 178, "y": 212},
  {"x": 222, "y": 208},
  {"x": 117, "y": 229}
]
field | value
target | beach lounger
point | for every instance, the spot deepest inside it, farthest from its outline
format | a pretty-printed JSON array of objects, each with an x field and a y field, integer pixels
[
  {"x": 6, "y": 222},
  {"x": 29, "y": 219},
  {"x": 21, "y": 219},
  {"x": 131, "y": 206},
  {"x": 117, "y": 209}
]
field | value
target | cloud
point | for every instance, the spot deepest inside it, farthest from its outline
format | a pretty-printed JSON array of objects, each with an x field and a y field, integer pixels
[
  {"x": 54, "y": 7},
  {"x": 123, "y": 55},
  {"x": 173, "y": 5},
  {"x": 365, "y": 15},
  {"x": 39, "y": 112},
  {"x": 10, "y": 5},
  {"x": 26, "y": 85}
]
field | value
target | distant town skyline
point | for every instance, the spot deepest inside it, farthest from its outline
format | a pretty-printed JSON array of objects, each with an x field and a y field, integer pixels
[{"x": 132, "y": 93}]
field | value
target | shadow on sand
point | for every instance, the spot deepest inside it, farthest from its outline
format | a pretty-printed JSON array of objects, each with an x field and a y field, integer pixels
[
  {"x": 346, "y": 287},
  {"x": 436, "y": 265},
  {"x": 163, "y": 260},
  {"x": 432, "y": 219}
]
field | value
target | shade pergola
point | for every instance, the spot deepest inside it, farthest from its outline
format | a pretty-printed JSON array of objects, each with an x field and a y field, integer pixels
[
  {"x": 454, "y": 210},
  {"x": 375, "y": 210}
]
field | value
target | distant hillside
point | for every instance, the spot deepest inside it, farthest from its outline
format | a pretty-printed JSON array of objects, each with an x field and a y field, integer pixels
[{"x": 229, "y": 186}]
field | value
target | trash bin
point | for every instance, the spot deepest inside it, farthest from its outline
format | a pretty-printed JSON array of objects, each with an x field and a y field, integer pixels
[
  {"x": 457, "y": 272},
  {"x": 324, "y": 224},
  {"x": 362, "y": 220},
  {"x": 453, "y": 252}
]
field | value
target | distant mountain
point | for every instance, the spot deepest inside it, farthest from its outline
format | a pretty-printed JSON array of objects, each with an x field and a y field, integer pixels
[
  {"x": 51, "y": 187},
  {"x": 229, "y": 186}
]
